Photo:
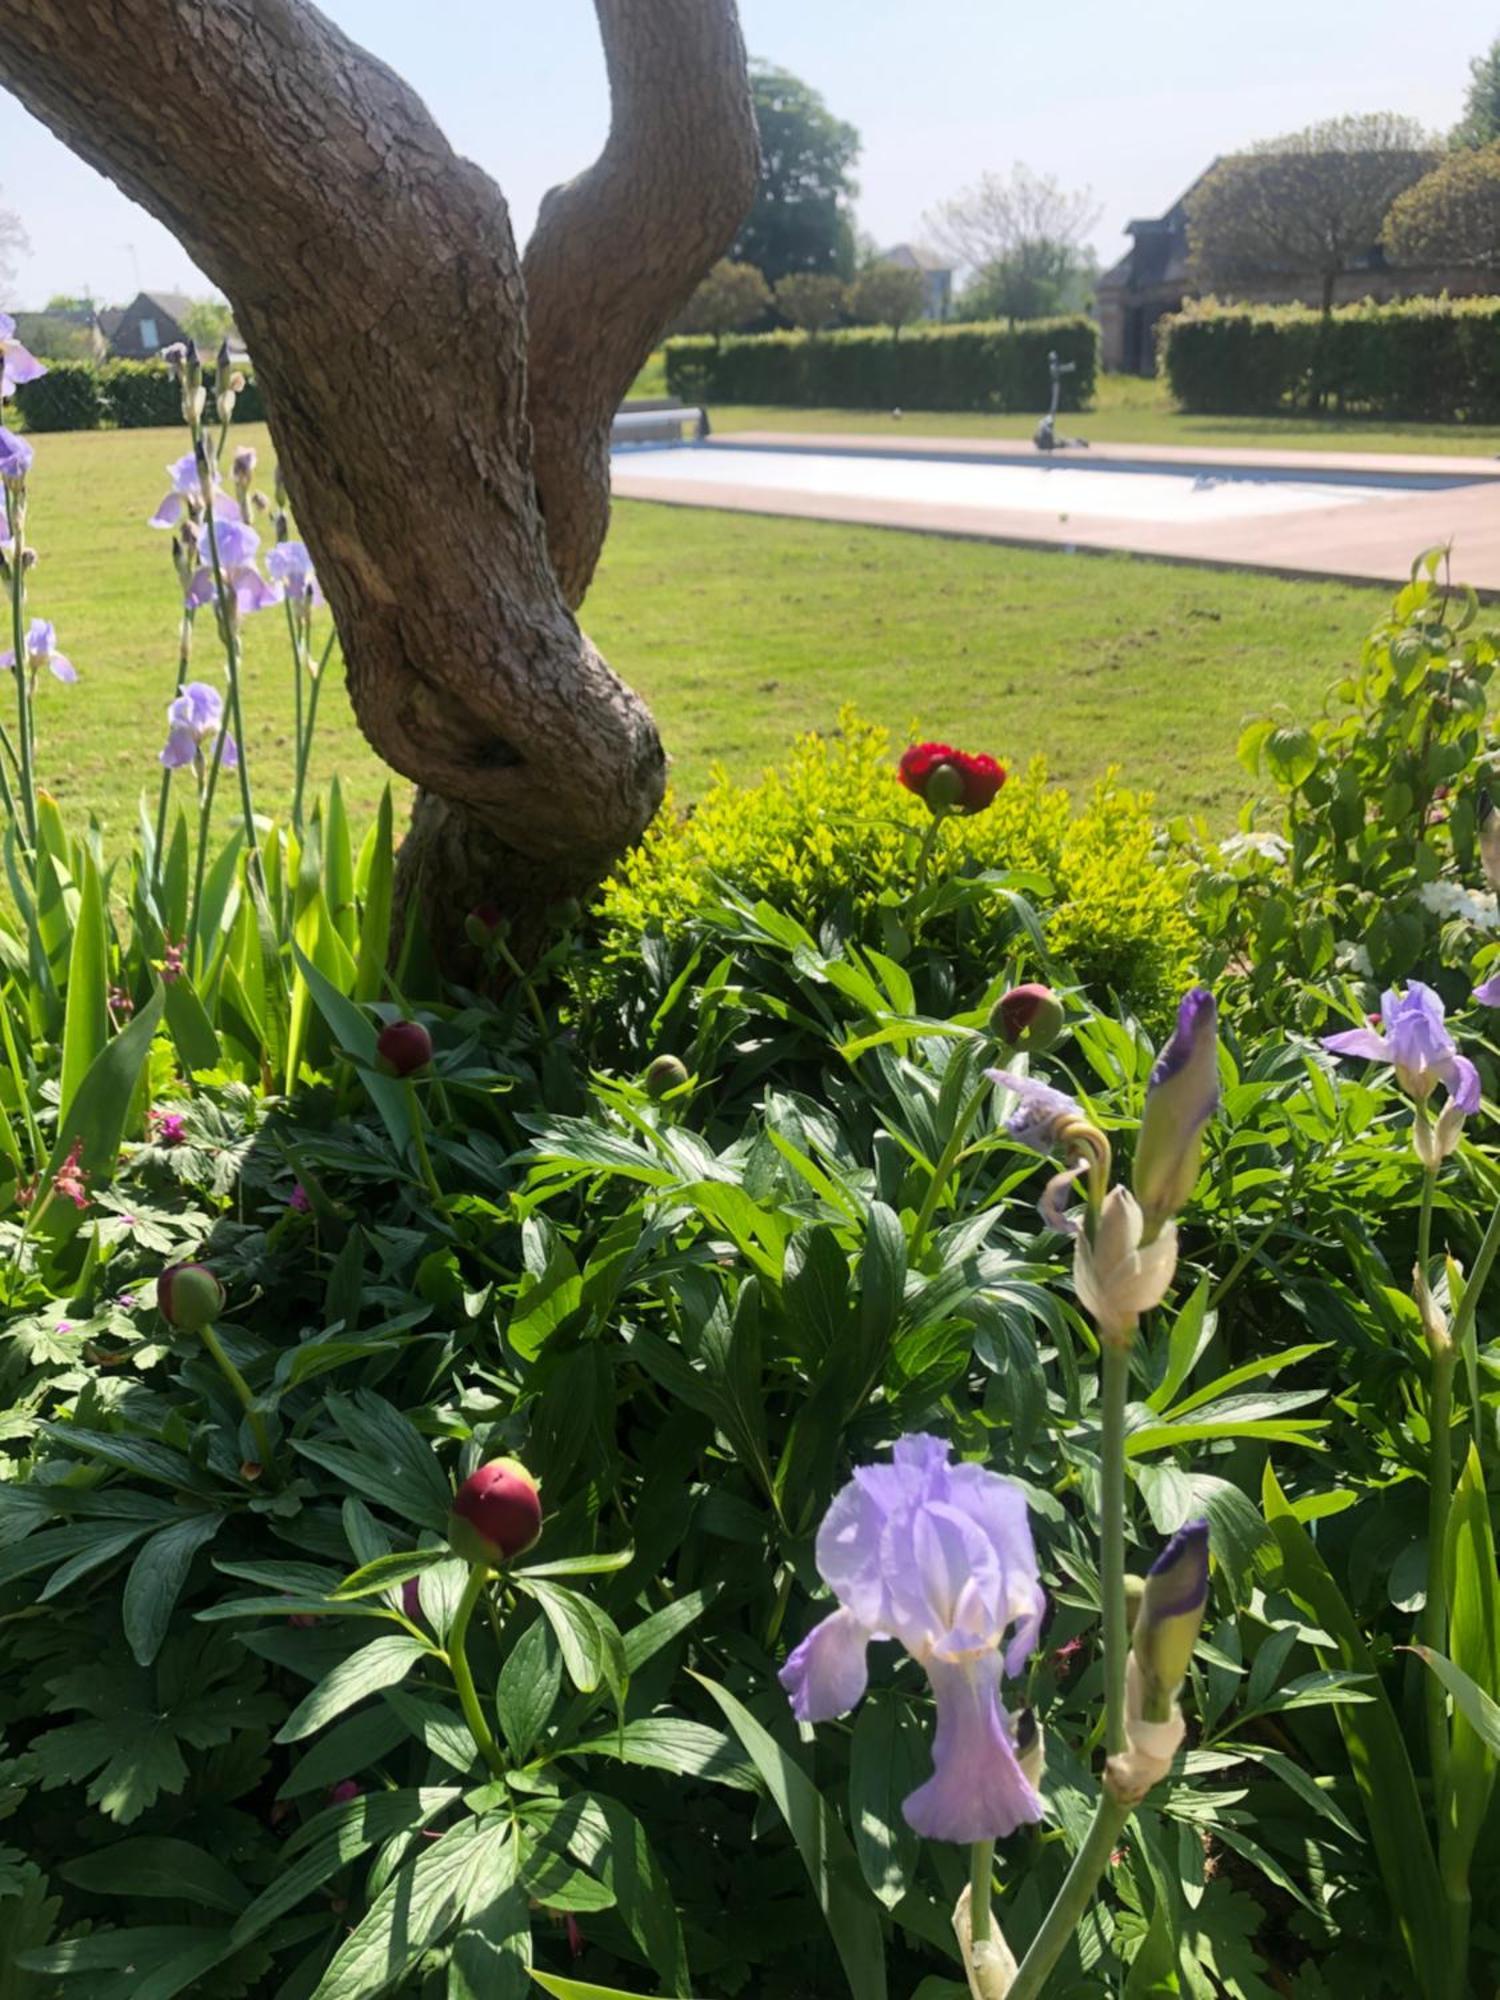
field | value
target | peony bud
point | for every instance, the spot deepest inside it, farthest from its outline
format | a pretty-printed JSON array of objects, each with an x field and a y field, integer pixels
[
  {"x": 484, "y": 926},
  {"x": 497, "y": 1514},
  {"x": 189, "y": 1296},
  {"x": 1117, "y": 1275},
  {"x": 1028, "y": 1018},
  {"x": 1171, "y": 1617},
  {"x": 948, "y": 780},
  {"x": 403, "y": 1047},
  {"x": 1181, "y": 1097},
  {"x": 666, "y": 1073},
  {"x": 1489, "y": 839}
]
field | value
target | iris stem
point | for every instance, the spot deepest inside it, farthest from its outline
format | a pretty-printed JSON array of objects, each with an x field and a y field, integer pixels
[
  {"x": 243, "y": 1391},
  {"x": 304, "y": 747},
  {"x": 463, "y": 1680},
  {"x": 184, "y": 657},
  {"x": 1073, "y": 1898},
  {"x": 1468, "y": 1306},
  {"x": 1435, "y": 1611},
  {"x": 1115, "y": 1368},
  {"x": 297, "y": 727},
  {"x": 981, "y": 1869},
  {"x": 15, "y": 515}
]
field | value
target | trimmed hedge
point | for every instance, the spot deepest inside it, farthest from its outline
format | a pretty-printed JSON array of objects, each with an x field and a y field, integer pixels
[
  {"x": 135, "y": 395},
  {"x": 1428, "y": 359},
  {"x": 989, "y": 365}
]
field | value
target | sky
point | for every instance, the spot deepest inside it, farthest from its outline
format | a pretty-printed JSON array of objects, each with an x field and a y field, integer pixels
[{"x": 1132, "y": 101}]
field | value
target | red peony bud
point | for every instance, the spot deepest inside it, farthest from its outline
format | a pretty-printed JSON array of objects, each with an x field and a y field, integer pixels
[
  {"x": 948, "y": 780},
  {"x": 1028, "y": 1018},
  {"x": 190, "y": 1296},
  {"x": 497, "y": 1514},
  {"x": 666, "y": 1073},
  {"x": 403, "y": 1048}
]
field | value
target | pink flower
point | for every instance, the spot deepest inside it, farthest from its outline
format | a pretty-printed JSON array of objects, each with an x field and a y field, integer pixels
[
  {"x": 169, "y": 1128},
  {"x": 297, "y": 1201},
  {"x": 341, "y": 1793},
  {"x": 71, "y": 1178}
]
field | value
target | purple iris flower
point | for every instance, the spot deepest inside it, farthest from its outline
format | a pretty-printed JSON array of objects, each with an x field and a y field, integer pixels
[
  {"x": 1181, "y": 1096},
  {"x": 186, "y": 496},
  {"x": 1488, "y": 995},
  {"x": 194, "y": 719},
  {"x": 940, "y": 1557},
  {"x": 41, "y": 650},
  {"x": 15, "y": 455},
  {"x": 16, "y": 365},
  {"x": 1040, "y": 1115},
  {"x": 292, "y": 567},
  {"x": 238, "y": 544},
  {"x": 1414, "y": 1040}
]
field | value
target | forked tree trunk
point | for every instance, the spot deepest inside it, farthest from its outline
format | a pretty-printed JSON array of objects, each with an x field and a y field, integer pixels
[{"x": 442, "y": 419}]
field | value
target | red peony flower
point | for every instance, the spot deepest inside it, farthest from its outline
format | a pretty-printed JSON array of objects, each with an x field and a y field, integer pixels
[
  {"x": 497, "y": 1513},
  {"x": 948, "y": 780}
]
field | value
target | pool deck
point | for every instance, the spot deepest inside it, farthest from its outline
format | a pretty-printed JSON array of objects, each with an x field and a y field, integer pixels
[{"x": 1369, "y": 543}]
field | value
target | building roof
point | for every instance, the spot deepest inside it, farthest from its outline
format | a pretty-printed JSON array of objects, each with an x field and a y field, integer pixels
[
  {"x": 109, "y": 320},
  {"x": 914, "y": 257},
  {"x": 171, "y": 305}
]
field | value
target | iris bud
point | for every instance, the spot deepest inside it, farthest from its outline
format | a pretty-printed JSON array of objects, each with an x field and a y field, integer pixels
[
  {"x": 403, "y": 1047},
  {"x": 1181, "y": 1097},
  {"x": 1117, "y": 1274},
  {"x": 497, "y": 1514},
  {"x": 1171, "y": 1617},
  {"x": 189, "y": 1296},
  {"x": 1029, "y": 1018}
]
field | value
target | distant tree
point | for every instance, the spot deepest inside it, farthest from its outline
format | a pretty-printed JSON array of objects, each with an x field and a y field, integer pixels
[
  {"x": 802, "y": 219},
  {"x": 1308, "y": 203},
  {"x": 1450, "y": 217},
  {"x": 14, "y": 243},
  {"x": 206, "y": 322},
  {"x": 68, "y": 302},
  {"x": 53, "y": 338},
  {"x": 732, "y": 295},
  {"x": 812, "y": 299},
  {"x": 1480, "y": 124},
  {"x": 887, "y": 295},
  {"x": 1024, "y": 238}
]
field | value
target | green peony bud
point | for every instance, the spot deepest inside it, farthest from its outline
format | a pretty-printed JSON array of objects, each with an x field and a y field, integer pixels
[
  {"x": 1028, "y": 1018},
  {"x": 665, "y": 1074},
  {"x": 497, "y": 1514},
  {"x": 190, "y": 1297}
]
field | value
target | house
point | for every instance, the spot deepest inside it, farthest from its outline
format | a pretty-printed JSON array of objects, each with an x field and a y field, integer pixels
[
  {"x": 935, "y": 273},
  {"x": 153, "y": 321},
  {"x": 1155, "y": 277}
]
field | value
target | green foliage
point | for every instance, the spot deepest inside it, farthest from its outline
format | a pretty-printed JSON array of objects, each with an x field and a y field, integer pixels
[
  {"x": 69, "y": 397},
  {"x": 732, "y": 295},
  {"x": 890, "y": 295},
  {"x": 1436, "y": 359},
  {"x": 1452, "y": 216},
  {"x": 1364, "y": 866},
  {"x": 1480, "y": 124},
  {"x": 801, "y": 219},
  {"x": 811, "y": 300},
  {"x": 950, "y": 367}
]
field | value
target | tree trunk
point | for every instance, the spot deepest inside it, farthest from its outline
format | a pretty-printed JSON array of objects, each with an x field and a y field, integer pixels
[{"x": 441, "y": 419}]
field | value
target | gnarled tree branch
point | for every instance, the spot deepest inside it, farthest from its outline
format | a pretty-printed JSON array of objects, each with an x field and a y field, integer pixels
[{"x": 375, "y": 277}]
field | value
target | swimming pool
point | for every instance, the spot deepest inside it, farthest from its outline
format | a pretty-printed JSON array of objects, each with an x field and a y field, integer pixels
[{"x": 1065, "y": 488}]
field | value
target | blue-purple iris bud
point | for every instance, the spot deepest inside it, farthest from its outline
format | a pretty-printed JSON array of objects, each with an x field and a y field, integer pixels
[
  {"x": 1181, "y": 1097},
  {"x": 1170, "y": 1618},
  {"x": 15, "y": 456},
  {"x": 939, "y": 1556}
]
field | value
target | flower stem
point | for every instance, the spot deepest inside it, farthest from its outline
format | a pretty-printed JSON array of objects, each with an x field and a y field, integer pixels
[
  {"x": 1073, "y": 1898},
  {"x": 184, "y": 656},
  {"x": 1468, "y": 1306},
  {"x": 15, "y": 515},
  {"x": 304, "y": 747},
  {"x": 229, "y": 628},
  {"x": 205, "y": 814},
  {"x": 297, "y": 728},
  {"x": 241, "y": 1389},
  {"x": 924, "y": 855},
  {"x": 1115, "y": 1364},
  {"x": 1435, "y": 1611},
  {"x": 947, "y": 1161},
  {"x": 419, "y": 1141},
  {"x": 463, "y": 1680},
  {"x": 981, "y": 1868},
  {"x": 1424, "y": 1222}
]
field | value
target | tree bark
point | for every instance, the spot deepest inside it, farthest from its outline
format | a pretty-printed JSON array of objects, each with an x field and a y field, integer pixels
[{"x": 441, "y": 421}]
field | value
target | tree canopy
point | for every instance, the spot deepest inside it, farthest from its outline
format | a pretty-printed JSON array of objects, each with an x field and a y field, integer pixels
[
  {"x": 1452, "y": 216},
  {"x": 14, "y": 244},
  {"x": 1307, "y": 204},
  {"x": 1024, "y": 238},
  {"x": 1480, "y": 124},
  {"x": 732, "y": 295},
  {"x": 887, "y": 295},
  {"x": 801, "y": 219},
  {"x": 207, "y": 321},
  {"x": 812, "y": 299}
]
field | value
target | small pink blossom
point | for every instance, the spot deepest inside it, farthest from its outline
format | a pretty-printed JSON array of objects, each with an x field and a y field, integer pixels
[
  {"x": 169, "y": 1128},
  {"x": 298, "y": 1200}
]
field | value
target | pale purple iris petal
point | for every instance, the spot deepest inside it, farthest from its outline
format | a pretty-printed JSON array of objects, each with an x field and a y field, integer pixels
[
  {"x": 238, "y": 543},
  {"x": 7, "y": 326},
  {"x": 1040, "y": 1114},
  {"x": 1358, "y": 1042},
  {"x": 18, "y": 367},
  {"x": 41, "y": 637},
  {"x": 1463, "y": 1086},
  {"x": 1488, "y": 995},
  {"x": 940, "y": 1556},
  {"x": 826, "y": 1675},
  {"x": 16, "y": 455},
  {"x": 1417, "y": 1044},
  {"x": 62, "y": 668},
  {"x": 230, "y": 756},
  {"x": 181, "y": 748},
  {"x": 169, "y": 513},
  {"x": 977, "y": 1790},
  {"x": 291, "y": 566},
  {"x": 252, "y": 592}
]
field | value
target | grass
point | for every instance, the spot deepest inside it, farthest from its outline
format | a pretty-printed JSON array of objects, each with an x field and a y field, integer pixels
[
  {"x": 1130, "y": 410},
  {"x": 740, "y": 630}
]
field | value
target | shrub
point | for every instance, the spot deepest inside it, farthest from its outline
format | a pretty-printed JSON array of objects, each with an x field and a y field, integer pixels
[
  {"x": 984, "y": 366},
  {"x": 830, "y": 839},
  {"x": 1451, "y": 217},
  {"x": 69, "y": 397},
  {"x": 1432, "y": 359}
]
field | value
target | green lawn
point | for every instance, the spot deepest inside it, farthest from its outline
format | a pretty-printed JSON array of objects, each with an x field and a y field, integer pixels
[
  {"x": 1130, "y": 410},
  {"x": 740, "y": 630}
]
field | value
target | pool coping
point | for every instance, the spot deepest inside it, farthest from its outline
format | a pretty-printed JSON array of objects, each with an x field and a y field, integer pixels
[{"x": 1369, "y": 544}]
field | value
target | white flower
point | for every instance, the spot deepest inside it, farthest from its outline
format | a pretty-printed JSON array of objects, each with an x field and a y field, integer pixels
[
  {"x": 1115, "y": 1277},
  {"x": 1270, "y": 846}
]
